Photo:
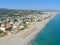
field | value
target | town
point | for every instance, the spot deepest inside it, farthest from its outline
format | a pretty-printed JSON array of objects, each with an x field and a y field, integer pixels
[{"x": 15, "y": 24}]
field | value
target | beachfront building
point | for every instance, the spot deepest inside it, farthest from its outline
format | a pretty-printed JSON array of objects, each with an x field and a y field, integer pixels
[{"x": 16, "y": 23}]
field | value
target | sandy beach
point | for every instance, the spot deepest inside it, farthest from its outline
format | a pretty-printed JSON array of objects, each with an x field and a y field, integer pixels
[{"x": 26, "y": 36}]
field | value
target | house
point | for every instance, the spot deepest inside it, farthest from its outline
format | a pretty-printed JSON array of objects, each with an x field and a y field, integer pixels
[
  {"x": 11, "y": 22},
  {"x": 8, "y": 27},
  {"x": 15, "y": 29},
  {"x": 27, "y": 21},
  {"x": 2, "y": 28}
]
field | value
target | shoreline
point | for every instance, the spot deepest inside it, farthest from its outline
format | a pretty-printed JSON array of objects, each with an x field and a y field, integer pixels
[
  {"x": 34, "y": 34},
  {"x": 26, "y": 36}
]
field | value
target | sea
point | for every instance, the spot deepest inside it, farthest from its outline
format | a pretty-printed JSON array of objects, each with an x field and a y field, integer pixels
[{"x": 50, "y": 34}]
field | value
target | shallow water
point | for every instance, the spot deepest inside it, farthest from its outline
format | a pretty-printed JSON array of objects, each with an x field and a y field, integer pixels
[{"x": 50, "y": 35}]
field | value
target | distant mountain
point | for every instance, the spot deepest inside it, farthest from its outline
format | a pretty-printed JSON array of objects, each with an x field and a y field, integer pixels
[
  {"x": 50, "y": 10},
  {"x": 4, "y": 11},
  {"x": 11, "y": 12}
]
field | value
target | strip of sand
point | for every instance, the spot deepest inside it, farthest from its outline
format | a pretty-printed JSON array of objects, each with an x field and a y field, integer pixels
[
  {"x": 26, "y": 36},
  {"x": 37, "y": 29}
]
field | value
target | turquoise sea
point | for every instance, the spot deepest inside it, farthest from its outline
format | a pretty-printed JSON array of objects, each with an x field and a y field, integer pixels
[{"x": 50, "y": 35}]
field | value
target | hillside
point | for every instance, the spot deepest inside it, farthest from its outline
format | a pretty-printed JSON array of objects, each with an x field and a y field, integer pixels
[{"x": 11, "y": 12}]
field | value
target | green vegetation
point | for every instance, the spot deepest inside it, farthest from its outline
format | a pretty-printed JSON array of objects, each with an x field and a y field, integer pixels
[
  {"x": 2, "y": 33},
  {"x": 11, "y": 12}
]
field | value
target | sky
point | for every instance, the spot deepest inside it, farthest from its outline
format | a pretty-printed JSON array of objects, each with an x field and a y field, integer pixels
[{"x": 30, "y": 4}]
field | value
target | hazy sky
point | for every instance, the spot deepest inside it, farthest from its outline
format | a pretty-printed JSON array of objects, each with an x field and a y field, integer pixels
[{"x": 30, "y": 4}]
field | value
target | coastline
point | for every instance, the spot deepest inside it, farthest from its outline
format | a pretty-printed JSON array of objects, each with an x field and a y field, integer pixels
[
  {"x": 41, "y": 24},
  {"x": 26, "y": 36}
]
